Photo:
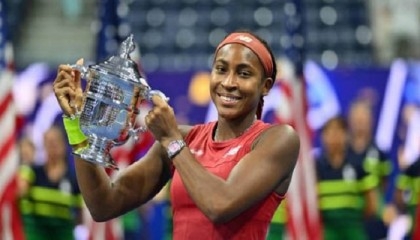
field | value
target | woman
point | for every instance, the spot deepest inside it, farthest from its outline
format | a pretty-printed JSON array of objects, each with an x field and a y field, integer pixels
[{"x": 228, "y": 176}]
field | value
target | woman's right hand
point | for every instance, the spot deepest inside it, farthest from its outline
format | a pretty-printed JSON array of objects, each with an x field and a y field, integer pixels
[{"x": 68, "y": 89}]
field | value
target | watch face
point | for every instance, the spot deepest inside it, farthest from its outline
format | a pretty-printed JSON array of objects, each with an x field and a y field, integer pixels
[{"x": 173, "y": 146}]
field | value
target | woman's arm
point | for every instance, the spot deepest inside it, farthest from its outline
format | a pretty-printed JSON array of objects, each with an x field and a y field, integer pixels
[
  {"x": 134, "y": 186},
  {"x": 267, "y": 168}
]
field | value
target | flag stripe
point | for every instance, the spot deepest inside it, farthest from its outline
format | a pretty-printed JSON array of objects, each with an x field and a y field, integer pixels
[
  {"x": 308, "y": 166},
  {"x": 7, "y": 124},
  {"x": 8, "y": 154},
  {"x": 6, "y": 79},
  {"x": 5, "y": 103},
  {"x": 6, "y": 220},
  {"x": 296, "y": 224},
  {"x": 9, "y": 219},
  {"x": 6, "y": 149}
]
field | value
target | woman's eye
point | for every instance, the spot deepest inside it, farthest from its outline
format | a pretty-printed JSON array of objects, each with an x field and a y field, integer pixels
[
  {"x": 244, "y": 73},
  {"x": 220, "y": 69}
]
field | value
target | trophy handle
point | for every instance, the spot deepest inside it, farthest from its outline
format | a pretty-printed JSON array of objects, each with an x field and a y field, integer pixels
[
  {"x": 150, "y": 93},
  {"x": 80, "y": 68},
  {"x": 134, "y": 132}
]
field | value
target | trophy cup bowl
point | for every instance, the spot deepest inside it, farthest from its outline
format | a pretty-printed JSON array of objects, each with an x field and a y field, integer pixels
[{"x": 111, "y": 101}]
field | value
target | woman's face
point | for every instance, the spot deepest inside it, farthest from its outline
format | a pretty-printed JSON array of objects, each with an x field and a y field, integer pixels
[{"x": 236, "y": 84}]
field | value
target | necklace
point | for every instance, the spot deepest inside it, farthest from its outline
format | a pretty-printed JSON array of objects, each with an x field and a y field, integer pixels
[{"x": 216, "y": 132}]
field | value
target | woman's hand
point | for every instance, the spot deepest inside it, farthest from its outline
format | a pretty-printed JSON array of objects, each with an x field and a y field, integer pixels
[
  {"x": 161, "y": 121},
  {"x": 68, "y": 89}
]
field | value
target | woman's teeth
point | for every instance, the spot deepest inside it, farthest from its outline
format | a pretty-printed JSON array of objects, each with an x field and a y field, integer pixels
[{"x": 229, "y": 99}]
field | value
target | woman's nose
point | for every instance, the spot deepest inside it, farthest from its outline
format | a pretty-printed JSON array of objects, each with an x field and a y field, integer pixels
[{"x": 229, "y": 81}]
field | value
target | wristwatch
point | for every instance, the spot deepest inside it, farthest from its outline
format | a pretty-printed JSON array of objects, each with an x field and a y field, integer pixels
[{"x": 175, "y": 147}]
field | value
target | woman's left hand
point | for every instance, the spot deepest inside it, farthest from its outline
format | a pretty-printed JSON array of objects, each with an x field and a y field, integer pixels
[{"x": 161, "y": 121}]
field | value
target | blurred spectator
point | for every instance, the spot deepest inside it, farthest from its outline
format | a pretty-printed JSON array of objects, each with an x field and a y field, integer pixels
[
  {"x": 50, "y": 198},
  {"x": 346, "y": 191},
  {"x": 26, "y": 151},
  {"x": 408, "y": 191},
  {"x": 374, "y": 161}
]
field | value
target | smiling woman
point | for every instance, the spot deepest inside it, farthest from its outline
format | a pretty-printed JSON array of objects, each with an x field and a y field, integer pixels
[
  {"x": 242, "y": 64},
  {"x": 228, "y": 176}
]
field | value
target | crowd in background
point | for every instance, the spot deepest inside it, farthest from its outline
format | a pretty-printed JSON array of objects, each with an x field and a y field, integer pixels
[{"x": 353, "y": 178}]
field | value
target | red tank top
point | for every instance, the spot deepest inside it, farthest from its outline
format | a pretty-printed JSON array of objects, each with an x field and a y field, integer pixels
[{"x": 219, "y": 158}]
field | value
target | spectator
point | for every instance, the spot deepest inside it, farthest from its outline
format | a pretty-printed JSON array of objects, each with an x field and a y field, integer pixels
[
  {"x": 50, "y": 198},
  {"x": 346, "y": 191},
  {"x": 26, "y": 149},
  {"x": 374, "y": 162}
]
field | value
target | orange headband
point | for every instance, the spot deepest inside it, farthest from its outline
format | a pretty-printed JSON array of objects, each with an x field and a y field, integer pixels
[{"x": 251, "y": 42}]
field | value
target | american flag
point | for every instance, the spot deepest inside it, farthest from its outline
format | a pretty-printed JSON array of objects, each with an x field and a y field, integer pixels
[
  {"x": 10, "y": 225},
  {"x": 302, "y": 208}
]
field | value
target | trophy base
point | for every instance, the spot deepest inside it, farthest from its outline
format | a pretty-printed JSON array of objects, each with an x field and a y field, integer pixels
[
  {"x": 104, "y": 161},
  {"x": 98, "y": 154}
]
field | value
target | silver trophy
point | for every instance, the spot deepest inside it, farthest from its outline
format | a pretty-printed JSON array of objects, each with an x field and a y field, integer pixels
[{"x": 111, "y": 100}]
